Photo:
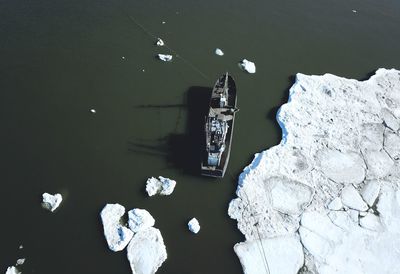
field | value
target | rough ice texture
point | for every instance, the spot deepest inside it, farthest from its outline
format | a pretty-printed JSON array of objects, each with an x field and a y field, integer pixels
[
  {"x": 117, "y": 234},
  {"x": 219, "y": 52},
  {"x": 165, "y": 57},
  {"x": 139, "y": 219},
  {"x": 162, "y": 186},
  {"x": 247, "y": 66},
  {"x": 268, "y": 256},
  {"x": 51, "y": 202},
  {"x": 340, "y": 142},
  {"x": 146, "y": 251},
  {"x": 12, "y": 270},
  {"x": 194, "y": 225}
]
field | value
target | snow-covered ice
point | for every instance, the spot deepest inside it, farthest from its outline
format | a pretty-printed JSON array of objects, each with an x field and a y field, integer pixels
[
  {"x": 51, "y": 202},
  {"x": 117, "y": 234},
  {"x": 146, "y": 251},
  {"x": 139, "y": 219},
  {"x": 219, "y": 52},
  {"x": 12, "y": 270},
  {"x": 160, "y": 42},
  {"x": 165, "y": 57},
  {"x": 20, "y": 261},
  {"x": 352, "y": 199},
  {"x": 194, "y": 225},
  {"x": 162, "y": 186},
  {"x": 338, "y": 174},
  {"x": 248, "y": 66},
  {"x": 283, "y": 255}
]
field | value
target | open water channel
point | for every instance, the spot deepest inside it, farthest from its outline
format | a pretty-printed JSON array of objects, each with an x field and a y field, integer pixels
[{"x": 59, "y": 59}]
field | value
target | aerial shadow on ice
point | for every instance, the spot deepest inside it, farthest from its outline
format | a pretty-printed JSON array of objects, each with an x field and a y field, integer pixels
[{"x": 181, "y": 150}]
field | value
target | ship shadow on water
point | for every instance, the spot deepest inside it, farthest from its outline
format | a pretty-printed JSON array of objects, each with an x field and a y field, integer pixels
[
  {"x": 185, "y": 149},
  {"x": 181, "y": 150}
]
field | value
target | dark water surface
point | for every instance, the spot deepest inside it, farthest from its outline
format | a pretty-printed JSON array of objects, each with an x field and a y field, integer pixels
[{"x": 60, "y": 58}]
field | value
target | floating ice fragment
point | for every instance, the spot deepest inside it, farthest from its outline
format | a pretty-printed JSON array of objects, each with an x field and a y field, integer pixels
[
  {"x": 146, "y": 251},
  {"x": 165, "y": 57},
  {"x": 92, "y": 110},
  {"x": 162, "y": 186},
  {"x": 117, "y": 235},
  {"x": 354, "y": 11},
  {"x": 219, "y": 52},
  {"x": 51, "y": 202},
  {"x": 140, "y": 219},
  {"x": 248, "y": 66},
  {"x": 12, "y": 270},
  {"x": 194, "y": 225},
  {"x": 160, "y": 42},
  {"x": 20, "y": 261}
]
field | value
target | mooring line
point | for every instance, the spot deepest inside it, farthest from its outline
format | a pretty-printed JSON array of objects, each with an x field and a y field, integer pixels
[{"x": 168, "y": 47}]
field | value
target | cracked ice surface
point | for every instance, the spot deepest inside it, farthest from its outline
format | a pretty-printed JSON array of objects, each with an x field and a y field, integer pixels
[{"x": 340, "y": 142}]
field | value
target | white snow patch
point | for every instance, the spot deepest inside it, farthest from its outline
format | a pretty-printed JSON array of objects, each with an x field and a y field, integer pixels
[
  {"x": 51, "y": 202},
  {"x": 352, "y": 199},
  {"x": 370, "y": 191},
  {"x": 160, "y": 42},
  {"x": 12, "y": 270},
  {"x": 20, "y": 261},
  {"x": 165, "y": 57},
  {"x": 140, "y": 219},
  {"x": 335, "y": 204},
  {"x": 146, "y": 251},
  {"x": 117, "y": 235},
  {"x": 219, "y": 52},
  {"x": 248, "y": 66},
  {"x": 283, "y": 255},
  {"x": 194, "y": 225},
  {"x": 162, "y": 186}
]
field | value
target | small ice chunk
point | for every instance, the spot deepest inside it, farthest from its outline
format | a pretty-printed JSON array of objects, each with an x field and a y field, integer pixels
[
  {"x": 370, "y": 192},
  {"x": 160, "y": 42},
  {"x": 162, "y": 186},
  {"x": 371, "y": 222},
  {"x": 51, "y": 202},
  {"x": 20, "y": 261},
  {"x": 12, "y": 270},
  {"x": 248, "y": 66},
  {"x": 117, "y": 235},
  {"x": 335, "y": 204},
  {"x": 352, "y": 199},
  {"x": 219, "y": 52},
  {"x": 21, "y": 247},
  {"x": 194, "y": 225},
  {"x": 140, "y": 219},
  {"x": 354, "y": 11},
  {"x": 146, "y": 251},
  {"x": 123, "y": 57},
  {"x": 163, "y": 22},
  {"x": 165, "y": 57},
  {"x": 92, "y": 110}
]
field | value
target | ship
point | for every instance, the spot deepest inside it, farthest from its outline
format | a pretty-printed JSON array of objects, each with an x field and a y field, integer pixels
[{"x": 219, "y": 127}]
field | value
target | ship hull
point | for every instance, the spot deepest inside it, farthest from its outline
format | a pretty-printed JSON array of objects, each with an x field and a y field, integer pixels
[{"x": 219, "y": 170}]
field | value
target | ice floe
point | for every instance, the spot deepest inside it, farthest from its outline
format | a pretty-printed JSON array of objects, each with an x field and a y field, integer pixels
[
  {"x": 165, "y": 57},
  {"x": 51, "y": 202},
  {"x": 332, "y": 184},
  {"x": 160, "y": 42},
  {"x": 12, "y": 270},
  {"x": 146, "y": 251},
  {"x": 139, "y": 219},
  {"x": 162, "y": 186},
  {"x": 194, "y": 225},
  {"x": 219, "y": 52},
  {"x": 247, "y": 66},
  {"x": 145, "y": 246},
  {"x": 117, "y": 234},
  {"x": 20, "y": 261}
]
